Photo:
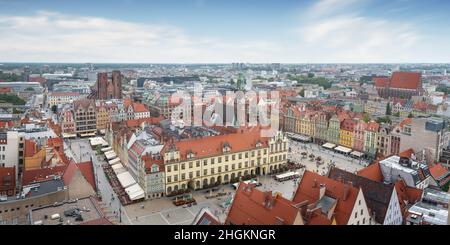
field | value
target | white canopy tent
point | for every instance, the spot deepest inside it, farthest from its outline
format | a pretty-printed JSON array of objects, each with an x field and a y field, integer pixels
[
  {"x": 343, "y": 149},
  {"x": 110, "y": 155},
  {"x": 135, "y": 192},
  {"x": 98, "y": 141},
  {"x": 106, "y": 149},
  {"x": 357, "y": 154},
  {"x": 114, "y": 161},
  {"x": 118, "y": 168},
  {"x": 126, "y": 180},
  {"x": 329, "y": 145}
]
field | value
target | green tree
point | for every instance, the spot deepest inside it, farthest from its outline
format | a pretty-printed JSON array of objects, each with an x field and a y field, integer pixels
[
  {"x": 302, "y": 93},
  {"x": 310, "y": 75},
  {"x": 397, "y": 114},
  {"x": 410, "y": 115},
  {"x": 388, "y": 109},
  {"x": 12, "y": 98},
  {"x": 54, "y": 108},
  {"x": 366, "y": 118}
]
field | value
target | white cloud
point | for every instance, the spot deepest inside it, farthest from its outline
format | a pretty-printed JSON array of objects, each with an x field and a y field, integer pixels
[
  {"x": 50, "y": 36},
  {"x": 345, "y": 35},
  {"x": 322, "y": 36}
]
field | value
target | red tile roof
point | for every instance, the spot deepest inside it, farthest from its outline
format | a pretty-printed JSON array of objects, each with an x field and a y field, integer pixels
[
  {"x": 402, "y": 80},
  {"x": 438, "y": 171},
  {"x": 407, "y": 153},
  {"x": 5, "y": 90},
  {"x": 381, "y": 81},
  {"x": 6, "y": 124},
  {"x": 38, "y": 175},
  {"x": 373, "y": 126},
  {"x": 406, "y": 80},
  {"x": 138, "y": 107},
  {"x": 372, "y": 172},
  {"x": 406, "y": 195},
  {"x": 309, "y": 190},
  {"x": 213, "y": 146},
  {"x": 254, "y": 207},
  {"x": 37, "y": 79},
  {"x": 406, "y": 121},
  {"x": 86, "y": 170},
  {"x": 348, "y": 124}
]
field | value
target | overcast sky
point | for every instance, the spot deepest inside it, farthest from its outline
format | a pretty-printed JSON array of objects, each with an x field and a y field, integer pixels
[{"x": 215, "y": 31}]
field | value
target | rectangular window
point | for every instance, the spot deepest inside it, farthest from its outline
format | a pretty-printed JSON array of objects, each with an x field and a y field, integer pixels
[
  {"x": 232, "y": 166},
  {"x": 226, "y": 168},
  {"x": 191, "y": 175},
  {"x": 197, "y": 173},
  {"x": 183, "y": 176},
  {"x": 169, "y": 179},
  {"x": 205, "y": 172},
  {"x": 240, "y": 156},
  {"x": 212, "y": 170},
  {"x": 182, "y": 166},
  {"x": 219, "y": 169},
  {"x": 212, "y": 160},
  {"x": 240, "y": 165},
  {"x": 219, "y": 160},
  {"x": 175, "y": 168},
  {"x": 197, "y": 164},
  {"x": 205, "y": 162},
  {"x": 168, "y": 169},
  {"x": 233, "y": 157},
  {"x": 253, "y": 153},
  {"x": 226, "y": 158},
  {"x": 175, "y": 178},
  {"x": 190, "y": 164},
  {"x": 246, "y": 155}
]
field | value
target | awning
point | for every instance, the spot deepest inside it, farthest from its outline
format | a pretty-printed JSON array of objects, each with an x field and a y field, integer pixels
[
  {"x": 106, "y": 149},
  {"x": 357, "y": 154},
  {"x": 126, "y": 180},
  {"x": 329, "y": 146},
  {"x": 98, "y": 141},
  {"x": 110, "y": 155},
  {"x": 287, "y": 175},
  {"x": 114, "y": 161},
  {"x": 87, "y": 134},
  {"x": 118, "y": 168},
  {"x": 135, "y": 192},
  {"x": 343, "y": 149},
  {"x": 67, "y": 135}
]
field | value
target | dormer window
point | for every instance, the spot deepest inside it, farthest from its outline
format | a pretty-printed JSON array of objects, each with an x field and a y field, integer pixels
[
  {"x": 258, "y": 144},
  {"x": 226, "y": 147},
  {"x": 190, "y": 154}
]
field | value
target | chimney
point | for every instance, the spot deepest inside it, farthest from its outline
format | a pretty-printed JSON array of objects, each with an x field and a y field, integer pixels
[
  {"x": 322, "y": 190},
  {"x": 346, "y": 190}
]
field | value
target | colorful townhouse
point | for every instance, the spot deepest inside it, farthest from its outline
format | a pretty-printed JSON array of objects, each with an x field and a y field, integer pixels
[
  {"x": 370, "y": 139},
  {"x": 346, "y": 134}
]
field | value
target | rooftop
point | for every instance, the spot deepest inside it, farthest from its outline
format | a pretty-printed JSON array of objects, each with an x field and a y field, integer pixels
[{"x": 69, "y": 213}]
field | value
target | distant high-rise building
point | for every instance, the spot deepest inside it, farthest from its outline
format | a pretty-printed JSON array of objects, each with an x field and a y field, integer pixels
[{"x": 109, "y": 89}]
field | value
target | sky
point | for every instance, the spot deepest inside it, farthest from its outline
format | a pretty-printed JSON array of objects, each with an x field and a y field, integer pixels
[{"x": 225, "y": 31}]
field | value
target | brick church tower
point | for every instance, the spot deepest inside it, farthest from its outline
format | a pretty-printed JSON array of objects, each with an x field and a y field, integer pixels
[{"x": 109, "y": 88}]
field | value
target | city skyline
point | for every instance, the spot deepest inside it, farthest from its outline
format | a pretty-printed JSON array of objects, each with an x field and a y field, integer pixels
[{"x": 202, "y": 31}]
